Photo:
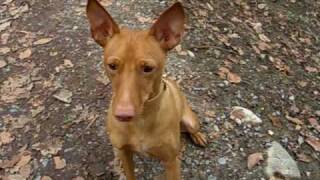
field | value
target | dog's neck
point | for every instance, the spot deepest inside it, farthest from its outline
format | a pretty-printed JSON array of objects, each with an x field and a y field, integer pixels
[{"x": 151, "y": 107}]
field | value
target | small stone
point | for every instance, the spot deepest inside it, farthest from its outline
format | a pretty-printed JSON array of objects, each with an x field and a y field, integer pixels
[
  {"x": 222, "y": 161},
  {"x": 211, "y": 177},
  {"x": 270, "y": 132},
  {"x": 279, "y": 161},
  {"x": 261, "y": 6}
]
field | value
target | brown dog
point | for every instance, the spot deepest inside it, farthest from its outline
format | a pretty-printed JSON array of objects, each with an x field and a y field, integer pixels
[{"x": 147, "y": 112}]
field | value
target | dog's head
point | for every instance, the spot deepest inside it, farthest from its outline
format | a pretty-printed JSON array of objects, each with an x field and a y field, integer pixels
[{"x": 134, "y": 59}]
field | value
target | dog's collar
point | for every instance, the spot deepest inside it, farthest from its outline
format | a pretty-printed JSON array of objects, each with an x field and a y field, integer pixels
[{"x": 162, "y": 89}]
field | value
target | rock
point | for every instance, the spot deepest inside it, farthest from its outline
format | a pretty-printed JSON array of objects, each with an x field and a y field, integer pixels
[
  {"x": 212, "y": 177},
  {"x": 64, "y": 96},
  {"x": 222, "y": 161},
  {"x": 279, "y": 161},
  {"x": 244, "y": 115}
]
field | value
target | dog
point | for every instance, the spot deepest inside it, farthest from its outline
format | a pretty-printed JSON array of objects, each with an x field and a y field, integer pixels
[{"x": 147, "y": 112}]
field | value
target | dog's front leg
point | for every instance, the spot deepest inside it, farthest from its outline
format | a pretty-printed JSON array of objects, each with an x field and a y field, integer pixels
[
  {"x": 126, "y": 156},
  {"x": 172, "y": 168}
]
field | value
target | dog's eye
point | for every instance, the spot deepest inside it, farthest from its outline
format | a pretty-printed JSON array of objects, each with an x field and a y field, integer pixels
[
  {"x": 113, "y": 66},
  {"x": 147, "y": 68}
]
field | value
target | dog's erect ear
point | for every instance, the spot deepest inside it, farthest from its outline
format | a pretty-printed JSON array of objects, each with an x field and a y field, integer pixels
[
  {"x": 169, "y": 27},
  {"x": 101, "y": 23}
]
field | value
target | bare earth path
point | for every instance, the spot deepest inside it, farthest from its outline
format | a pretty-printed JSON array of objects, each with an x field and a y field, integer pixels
[{"x": 261, "y": 55}]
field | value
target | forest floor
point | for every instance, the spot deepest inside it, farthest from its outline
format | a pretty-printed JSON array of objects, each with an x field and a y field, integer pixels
[{"x": 261, "y": 55}]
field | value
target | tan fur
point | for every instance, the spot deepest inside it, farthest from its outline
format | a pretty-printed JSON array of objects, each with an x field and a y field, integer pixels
[{"x": 156, "y": 110}]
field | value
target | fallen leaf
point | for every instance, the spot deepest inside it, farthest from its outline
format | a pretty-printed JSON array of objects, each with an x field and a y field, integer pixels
[
  {"x": 225, "y": 73},
  {"x": 64, "y": 95},
  {"x": 280, "y": 65},
  {"x": 210, "y": 113},
  {"x": 5, "y": 138},
  {"x": 314, "y": 123},
  {"x": 302, "y": 83},
  {"x": 254, "y": 159},
  {"x": 25, "y": 159},
  {"x": 275, "y": 121},
  {"x": 11, "y": 163},
  {"x": 67, "y": 63},
  {"x": 5, "y": 25},
  {"x": 15, "y": 87},
  {"x": 59, "y": 163},
  {"x": 294, "y": 120},
  {"x": 264, "y": 38},
  {"x": 233, "y": 78},
  {"x": 314, "y": 143},
  {"x": 263, "y": 46},
  {"x": 25, "y": 171},
  {"x": 106, "y": 2},
  {"x": 311, "y": 69},
  {"x": 50, "y": 147},
  {"x": 2, "y": 63},
  {"x": 5, "y": 38},
  {"x": 42, "y": 41},
  {"x": 4, "y": 50},
  {"x": 25, "y": 54},
  {"x": 303, "y": 157}
]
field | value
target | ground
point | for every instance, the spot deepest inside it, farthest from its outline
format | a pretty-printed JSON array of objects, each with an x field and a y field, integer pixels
[{"x": 261, "y": 55}]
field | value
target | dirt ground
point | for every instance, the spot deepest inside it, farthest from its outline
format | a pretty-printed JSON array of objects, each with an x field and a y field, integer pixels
[{"x": 261, "y": 55}]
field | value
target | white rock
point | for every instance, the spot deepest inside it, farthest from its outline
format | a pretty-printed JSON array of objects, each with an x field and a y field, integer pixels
[
  {"x": 243, "y": 114},
  {"x": 279, "y": 161}
]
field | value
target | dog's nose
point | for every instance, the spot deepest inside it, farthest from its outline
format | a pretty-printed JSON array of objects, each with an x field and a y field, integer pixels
[{"x": 124, "y": 113}]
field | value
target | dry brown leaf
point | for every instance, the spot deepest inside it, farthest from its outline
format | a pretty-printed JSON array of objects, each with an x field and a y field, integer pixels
[
  {"x": 314, "y": 143},
  {"x": 51, "y": 147},
  {"x": 5, "y": 25},
  {"x": 5, "y": 138},
  {"x": 106, "y": 2},
  {"x": 46, "y": 178},
  {"x": 25, "y": 159},
  {"x": 314, "y": 123},
  {"x": 67, "y": 63},
  {"x": 25, "y": 54},
  {"x": 225, "y": 73},
  {"x": 4, "y": 50},
  {"x": 254, "y": 159},
  {"x": 25, "y": 171},
  {"x": 264, "y": 38},
  {"x": 2, "y": 63},
  {"x": 303, "y": 157},
  {"x": 234, "y": 78},
  {"x": 59, "y": 163},
  {"x": 294, "y": 120},
  {"x": 78, "y": 178},
  {"x": 311, "y": 69},
  {"x": 280, "y": 65},
  {"x": 10, "y": 163},
  {"x": 5, "y": 38},
  {"x": 302, "y": 83},
  {"x": 275, "y": 121},
  {"x": 42, "y": 41},
  {"x": 210, "y": 113},
  {"x": 15, "y": 87},
  {"x": 263, "y": 46}
]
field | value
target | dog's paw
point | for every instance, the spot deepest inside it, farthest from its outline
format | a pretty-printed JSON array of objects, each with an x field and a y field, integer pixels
[{"x": 199, "y": 139}]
